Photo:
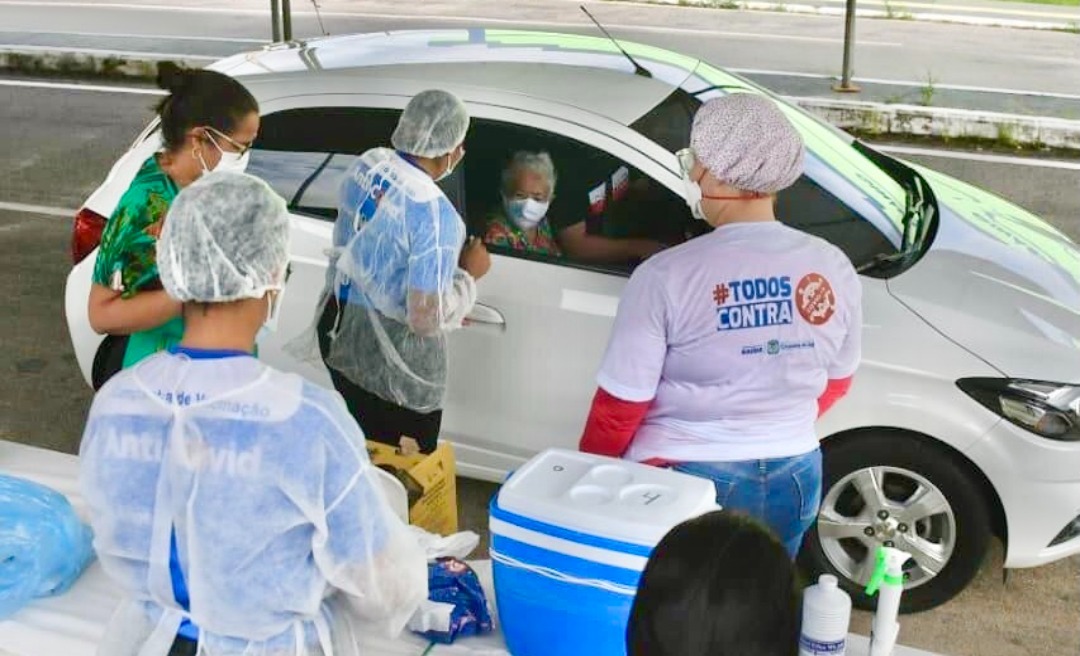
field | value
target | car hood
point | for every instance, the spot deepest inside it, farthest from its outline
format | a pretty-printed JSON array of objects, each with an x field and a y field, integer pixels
[{"x": 1000, "y": 282}]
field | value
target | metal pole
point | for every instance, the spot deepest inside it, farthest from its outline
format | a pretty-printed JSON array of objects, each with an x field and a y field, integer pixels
[
  {"x": 849, "y": 46},
  {"x": 286, "y": 20},
  {"x": 275, "y": 20}
]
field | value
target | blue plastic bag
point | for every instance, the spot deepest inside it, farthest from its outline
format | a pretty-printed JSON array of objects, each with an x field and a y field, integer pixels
[
  {"x": 452, "y": 582},
  {"x": 43, "y": 545}
]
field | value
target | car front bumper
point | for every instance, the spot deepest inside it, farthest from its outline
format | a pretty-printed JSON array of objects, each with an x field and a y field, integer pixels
[{"x": 1038, "y": 482}]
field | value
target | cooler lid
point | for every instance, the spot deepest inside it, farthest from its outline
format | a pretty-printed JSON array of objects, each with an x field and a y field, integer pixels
[{"x": 605, "y": 497}]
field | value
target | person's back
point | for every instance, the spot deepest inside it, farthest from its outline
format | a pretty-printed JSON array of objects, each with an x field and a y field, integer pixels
[
  {"x": 399, "y": 278},
  {"x": 253, "y": 471},
  {"x": 716, "y": 585},
  {"x": 233, "y": 505},
  {"x": 390, "y": 213},
  {"x": 753, "y": 311}
]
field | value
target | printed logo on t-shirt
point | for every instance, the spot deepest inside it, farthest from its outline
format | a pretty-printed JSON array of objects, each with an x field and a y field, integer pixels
[
  {"x": 816, "y": 300},
  {"x": 777, "y": 347},
  {"x": 620, "y": 182},
  {"x": 753, "y": 303},
  {"x": 598, "y": 199}
]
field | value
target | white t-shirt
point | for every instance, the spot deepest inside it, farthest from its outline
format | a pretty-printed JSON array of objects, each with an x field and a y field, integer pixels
[{"x": 735, "y": 335}]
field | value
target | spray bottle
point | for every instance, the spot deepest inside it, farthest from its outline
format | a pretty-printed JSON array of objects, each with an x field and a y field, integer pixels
[{"x": 889, "y": 578}]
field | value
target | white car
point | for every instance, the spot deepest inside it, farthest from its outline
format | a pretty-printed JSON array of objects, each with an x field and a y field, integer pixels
[{"x": 964, "y": 419}]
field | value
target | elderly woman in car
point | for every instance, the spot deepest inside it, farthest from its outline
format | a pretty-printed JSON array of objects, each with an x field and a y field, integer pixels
[{"x": 528, "y": 185}]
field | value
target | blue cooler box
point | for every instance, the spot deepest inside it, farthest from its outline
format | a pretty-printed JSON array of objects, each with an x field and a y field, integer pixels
[{"x": 570, "y": 536}]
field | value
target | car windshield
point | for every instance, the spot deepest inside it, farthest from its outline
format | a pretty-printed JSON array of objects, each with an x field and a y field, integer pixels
[{"x": 895, "y": 198}]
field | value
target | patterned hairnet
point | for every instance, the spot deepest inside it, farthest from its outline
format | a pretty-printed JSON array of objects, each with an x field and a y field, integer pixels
[
  {"x": 433, "y": 124},
  {"x": 746, "y": 142},
  {"x": 226, "y": 238}
]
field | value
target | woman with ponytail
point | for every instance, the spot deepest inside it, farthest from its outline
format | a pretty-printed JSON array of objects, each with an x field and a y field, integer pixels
[{"x": 208, "y": 123}]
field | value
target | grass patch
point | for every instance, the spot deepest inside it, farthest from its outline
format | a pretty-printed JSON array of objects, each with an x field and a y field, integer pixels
[
  {"x": 927, "y": 91},
  {"x": 897, "y": 12},
  {"x": 974, "y": 144},
  {"x": 1006, "y": 136}
]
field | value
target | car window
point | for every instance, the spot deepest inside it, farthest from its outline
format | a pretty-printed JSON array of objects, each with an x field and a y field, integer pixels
[
  {"x": 303, "y": 153},
  {"x": 811, "y": 208},
  {"x": 807, "y": 205},
  {"x": 610, "y": 197}
]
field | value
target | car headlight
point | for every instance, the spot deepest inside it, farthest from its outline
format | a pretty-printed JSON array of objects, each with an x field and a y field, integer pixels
[{"x": 1048, "y": 409}]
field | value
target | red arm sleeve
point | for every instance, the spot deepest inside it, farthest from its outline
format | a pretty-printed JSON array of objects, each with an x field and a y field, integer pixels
[
  {"x": 612, "y": 424},
  {"x": 834, "y": 391}
]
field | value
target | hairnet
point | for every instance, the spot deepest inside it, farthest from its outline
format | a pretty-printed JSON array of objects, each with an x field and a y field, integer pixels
[
  {"x": 745, "y": 141},
  {"x": 226, "y": 238},
  {"x": 433, "y": 124}
]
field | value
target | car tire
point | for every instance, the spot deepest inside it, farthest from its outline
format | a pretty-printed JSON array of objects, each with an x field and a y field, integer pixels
[{"x": 930, "y": 504}]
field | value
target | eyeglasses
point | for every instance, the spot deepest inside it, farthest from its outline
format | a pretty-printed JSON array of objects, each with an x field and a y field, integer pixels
[
  {"x": 686, "y": 159},
  {"x": 240, "y": 148}
]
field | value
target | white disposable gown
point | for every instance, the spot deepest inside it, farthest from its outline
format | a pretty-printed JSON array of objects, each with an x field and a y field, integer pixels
[
  {"x": 285, "y": 541},
  {"x": 394, "y": 271}
]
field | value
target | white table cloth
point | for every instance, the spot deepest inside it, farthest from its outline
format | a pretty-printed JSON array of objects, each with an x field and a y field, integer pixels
[{"x": 72, "y": 624}]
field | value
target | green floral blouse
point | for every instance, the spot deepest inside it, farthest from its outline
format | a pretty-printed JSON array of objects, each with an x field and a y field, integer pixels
[{"x": 127, "y": 257}]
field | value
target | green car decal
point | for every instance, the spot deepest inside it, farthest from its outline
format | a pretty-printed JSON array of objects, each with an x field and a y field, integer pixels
[{"x": 1005, "y": 221}]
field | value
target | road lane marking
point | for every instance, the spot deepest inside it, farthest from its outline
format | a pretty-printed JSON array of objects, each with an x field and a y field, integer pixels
[
  {"x": 72, "y": 86},
  {"x": 37, "y": 209}
]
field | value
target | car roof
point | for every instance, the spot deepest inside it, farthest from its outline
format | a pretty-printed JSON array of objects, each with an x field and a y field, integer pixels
[{"x": 584, "y": 72}]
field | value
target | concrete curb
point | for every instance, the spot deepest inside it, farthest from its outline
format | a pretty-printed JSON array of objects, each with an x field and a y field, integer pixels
[
  {"x": 945, "y": 123},
  {"x": 83, "y": 62},
  {"x": 892, "y": 11},
  {"x": 865, "y": 117}
]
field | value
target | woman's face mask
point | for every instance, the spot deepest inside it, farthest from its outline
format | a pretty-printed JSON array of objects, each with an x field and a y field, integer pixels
[
  {"x": 232, "y": 162},
  {"x": 694, "y": 197},
  {"x": 526, "y": 213}
]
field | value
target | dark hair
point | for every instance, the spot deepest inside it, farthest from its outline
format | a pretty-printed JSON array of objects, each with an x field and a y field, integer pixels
[
  {"x": 717, "y": 585},
  {"x": 199, "y": 97}
]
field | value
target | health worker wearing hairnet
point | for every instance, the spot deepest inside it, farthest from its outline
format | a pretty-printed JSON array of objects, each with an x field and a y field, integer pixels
[
  {"x": 398, "y": 277},
  {"x": 234, "y": 505},
  {"x": 727, "y": 348}
]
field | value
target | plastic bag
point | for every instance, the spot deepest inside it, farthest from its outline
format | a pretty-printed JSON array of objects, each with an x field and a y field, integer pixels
[
  {"x": 43, "y": 545},
  {"x": 456, "y": 606},
  {"x": 459, "y": 545}
]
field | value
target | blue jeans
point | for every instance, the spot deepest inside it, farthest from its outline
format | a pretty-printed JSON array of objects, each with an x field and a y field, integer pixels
[{"x": 784, "y": 493}]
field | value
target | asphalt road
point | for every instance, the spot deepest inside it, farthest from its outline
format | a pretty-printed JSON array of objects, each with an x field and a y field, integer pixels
[
  {"x": 776, "y": 43},
  {"x": 58, "y": 147}
]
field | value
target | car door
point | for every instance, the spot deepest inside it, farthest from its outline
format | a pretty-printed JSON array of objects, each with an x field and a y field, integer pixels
[{"x": 522, "y": 374}]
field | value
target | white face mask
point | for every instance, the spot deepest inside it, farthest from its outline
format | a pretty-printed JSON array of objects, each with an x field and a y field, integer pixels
[
  {"x": 693, "y": 198},
  {"x": 230, "y": 162},
  {"x": 526, "y": 213},
  {"x": 450, "y": 167}
]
